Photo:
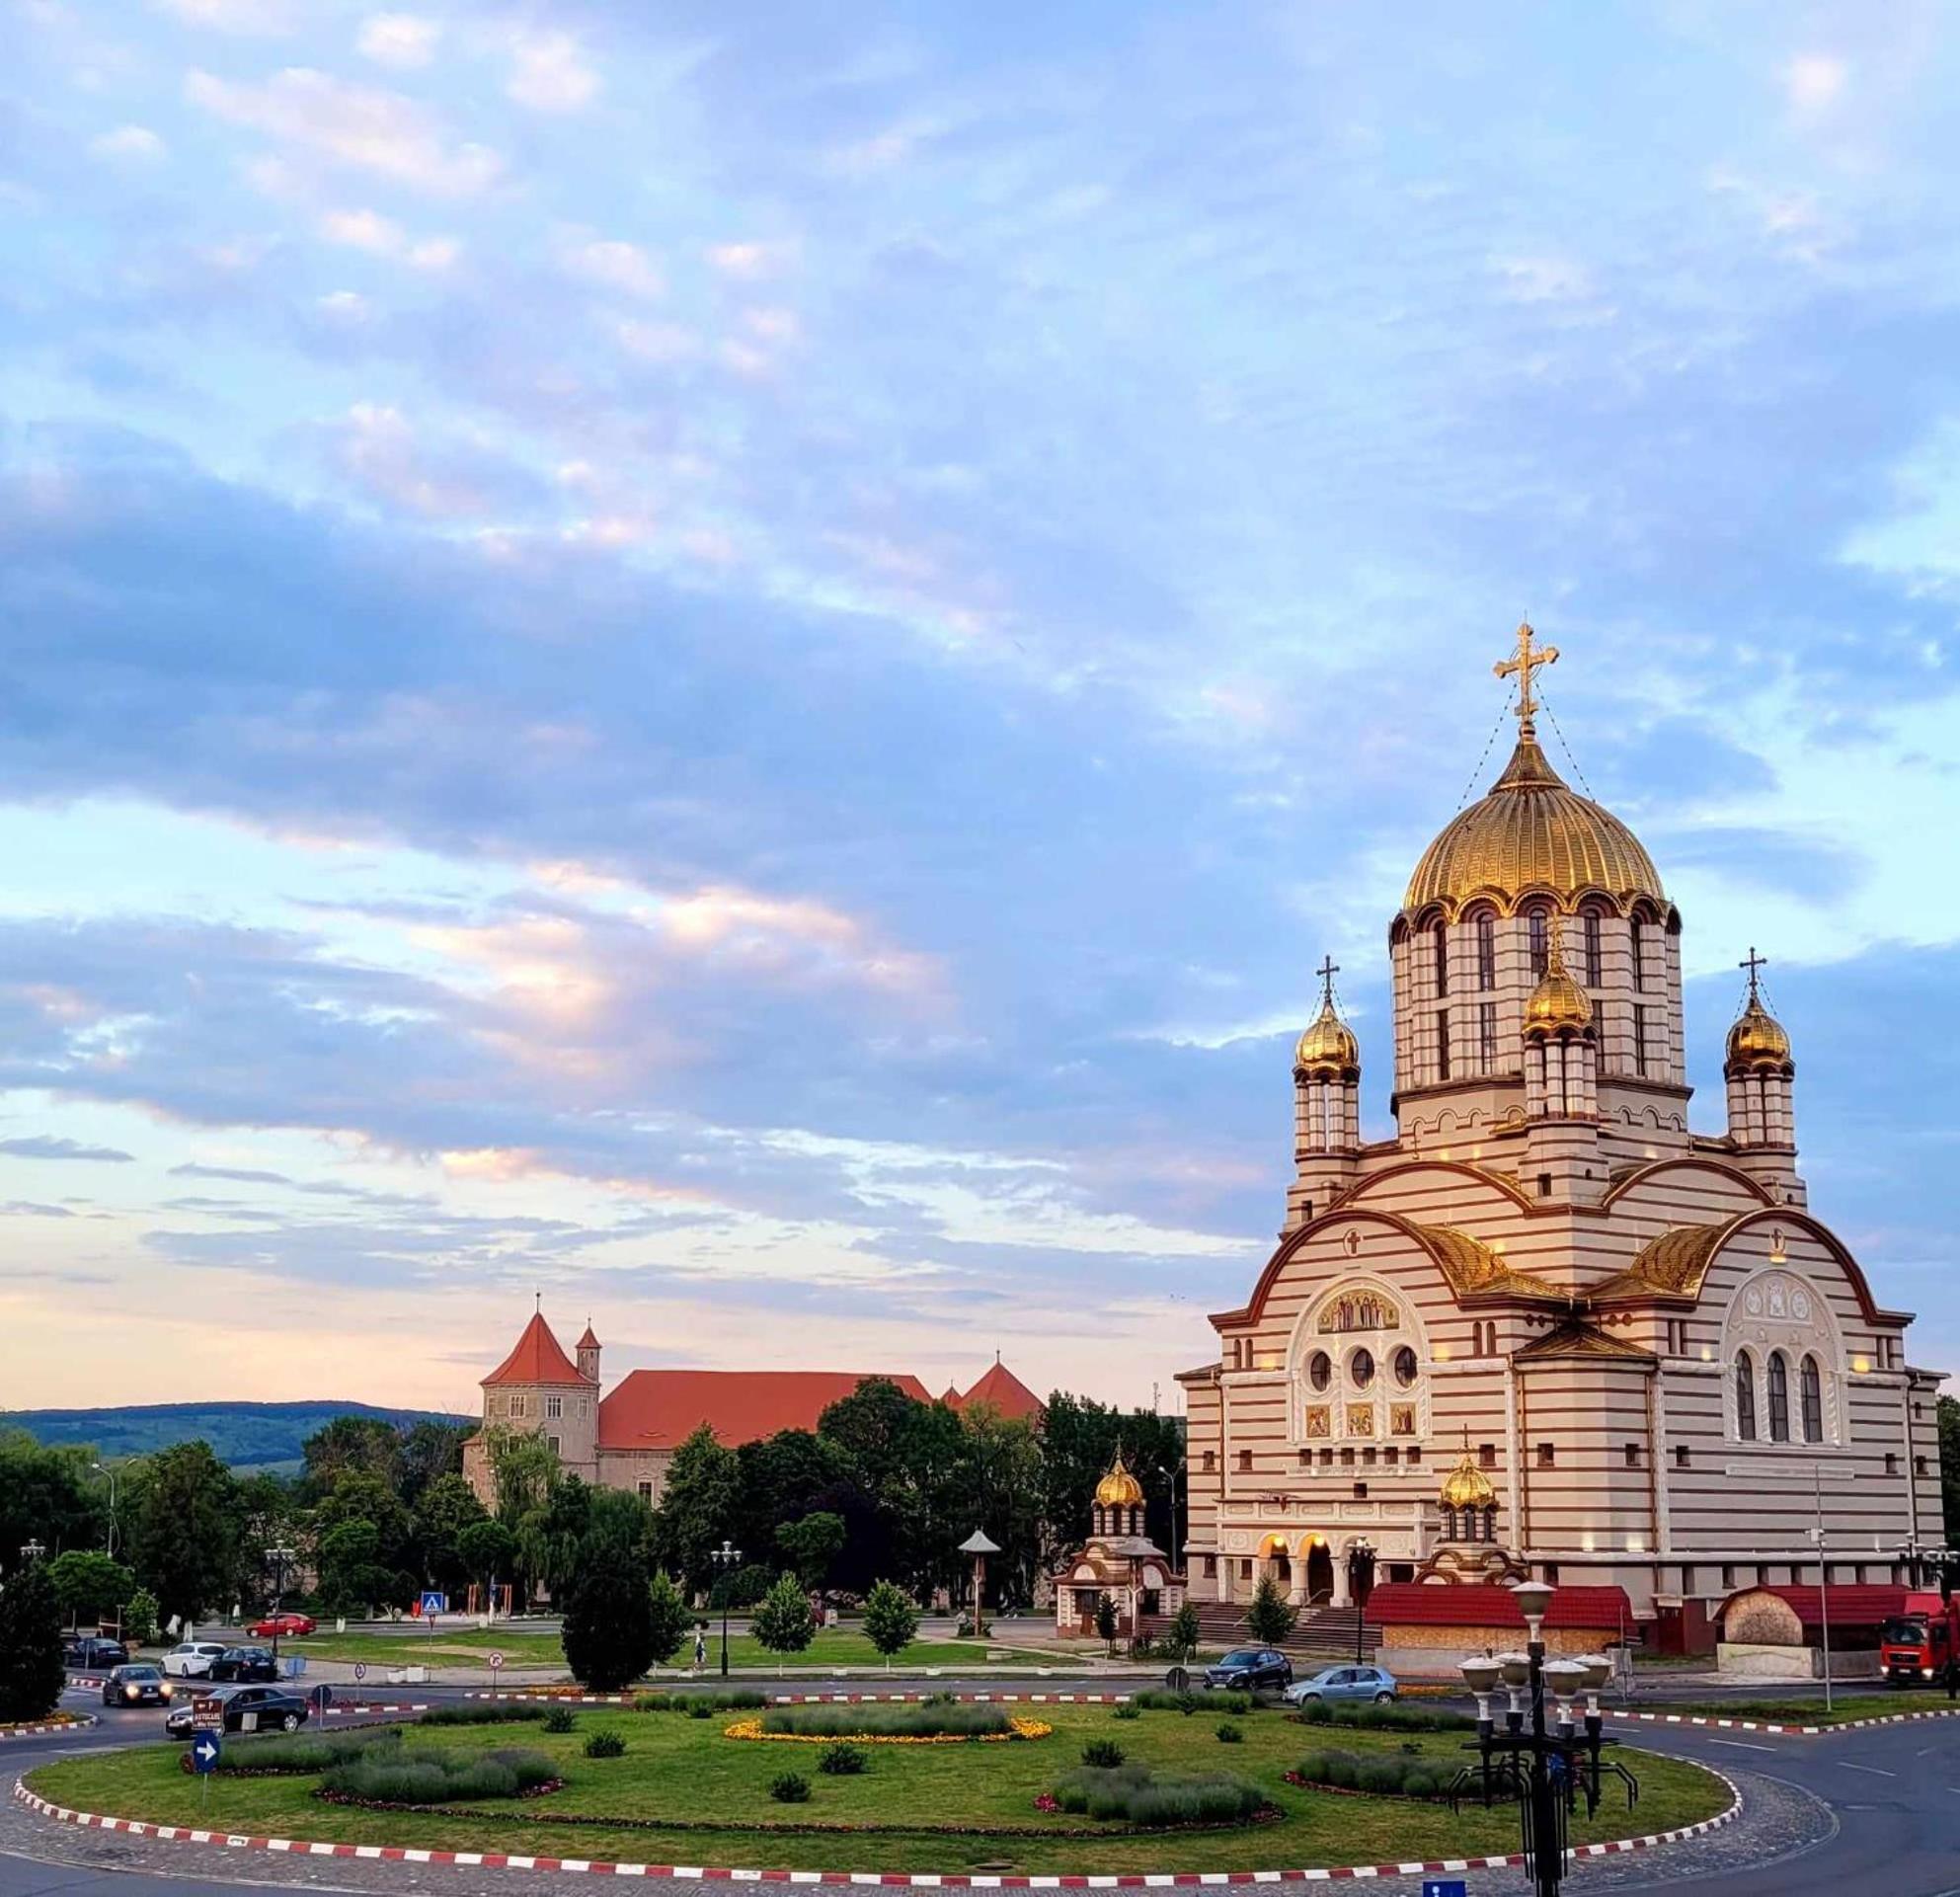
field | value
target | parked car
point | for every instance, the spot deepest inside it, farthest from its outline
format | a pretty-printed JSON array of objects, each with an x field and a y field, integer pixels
[
  {"x": 89, "y": 1653},
  {"x": 1247, "y": 1669},
  {"x": 135, "y": 1686},
  {"x": 245, "y": 1663},
  {"x": 1375, "y": 1683},
  {"x": 243, "y": 1709},
  {"x": 192, "y": 1659},
  {"x": 275, "y": 1627}
]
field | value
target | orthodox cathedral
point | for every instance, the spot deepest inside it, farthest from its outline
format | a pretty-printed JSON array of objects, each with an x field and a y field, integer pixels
[{"x": 1549, "y": 1328}]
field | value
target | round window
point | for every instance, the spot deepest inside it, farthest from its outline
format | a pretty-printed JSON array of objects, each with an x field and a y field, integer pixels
[
  {"x": 1361, "y": 1369},
  {"x": 1405, "y": 1367},
  {"x": 1319, "y": 1370}
]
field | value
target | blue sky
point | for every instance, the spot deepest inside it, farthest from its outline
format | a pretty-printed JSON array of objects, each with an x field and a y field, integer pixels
[{"x": 732, "y": 663}]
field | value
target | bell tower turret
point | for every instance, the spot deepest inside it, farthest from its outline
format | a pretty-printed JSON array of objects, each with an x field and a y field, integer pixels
[
  {"x": 1326, "y": 1108},
  {"x": 1762, "y": 1082}
]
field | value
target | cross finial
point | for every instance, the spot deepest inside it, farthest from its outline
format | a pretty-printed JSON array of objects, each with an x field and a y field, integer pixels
[
  {"x": 1526, "y": 662},
  {"x": 1328, "y": 969},
  {"x": 1753, "y": 962},
  {"x": 537, "y": 1302}
]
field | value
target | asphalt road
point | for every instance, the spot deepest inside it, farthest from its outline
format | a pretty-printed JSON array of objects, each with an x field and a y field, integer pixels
[{"x": 1834, "y": 1816}]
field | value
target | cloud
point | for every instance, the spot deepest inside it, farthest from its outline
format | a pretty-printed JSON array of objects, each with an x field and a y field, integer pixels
[
  {"x": 241, "y": 1175},
  {"x": 316, "y": 115},
  {"x": 617, "y": 266},
  {"x": 749, "y": 262},
  {"x": 129, "y": 144},
  {"x": 378, "y": 450},
  {"x": 549, "y": 72},
  {"x": 253, "y": 17},
  {"x": 1814, "y": 82},
  {"x": 403, "y": 40},
  {"x": 40, "y": 1146},
  {"x": 364, "y": 230}
]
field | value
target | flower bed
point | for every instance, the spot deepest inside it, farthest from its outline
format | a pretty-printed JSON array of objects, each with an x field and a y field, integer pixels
[
  {"x": 1390, "y": 1718},
  {"x": 1378, "y": 1775},
  {"x": 1136, "y": 1795},
  {"x": 1010, "y": 1728},
  {"x": 430, "y": 1781},
  {"x": 279, "y": 1756}
]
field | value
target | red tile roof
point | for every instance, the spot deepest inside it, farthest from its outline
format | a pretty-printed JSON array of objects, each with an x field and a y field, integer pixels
[
  {"x": 1003, "y": 1392},
  {"x": 662, "y": 1408},
  {"x": 1853, "y": 1605},
  {"x": 1435, "y": 1603},
  {"x": 539, "y": 1357},
  {"x": 589, "y": 1341}
]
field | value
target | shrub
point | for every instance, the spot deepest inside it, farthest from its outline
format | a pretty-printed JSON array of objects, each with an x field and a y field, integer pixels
[
  {"x": 1229, "y": 1734},
  {"x": 486, "y": 1713},
  {"x": 1379, "y": 1774},
  {"x": 719, "y": 1701},
  {"x": 1341, "y": 1771},
  {"x": 891, "y": 1620},
  {"x": 841, "y": 1760},
  {"x": 1388, "y": 1718},
  {"x": 604, "y": 1745},
  {"x": 701, "y": 1710},
  {"x": 931, "y": 1720},
  {"x": 1134, "y": 1794},
  {"x": 305, "y": 1752},
  {"x": 559, "y": 1720},
  {"x": 790, "y": 1789},
  {"x": 1418, "y": 1784},
  {"x": 1159, "y": 1699},
  {"x": 406, "y": 1777},
  {"x": 1126, "y": 1712},
  {"x": 1105, "y": 1754},
  {"x": 1385, "y": 1775}
]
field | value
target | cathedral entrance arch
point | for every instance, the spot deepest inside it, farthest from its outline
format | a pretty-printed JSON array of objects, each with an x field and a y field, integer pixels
[
  {"x": 1319, "y": 1574},
  {"x": 1277, "y": 1562}
]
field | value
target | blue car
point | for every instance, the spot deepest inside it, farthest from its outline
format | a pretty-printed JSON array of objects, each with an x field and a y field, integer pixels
[{"x": 1376, "y": 1685}]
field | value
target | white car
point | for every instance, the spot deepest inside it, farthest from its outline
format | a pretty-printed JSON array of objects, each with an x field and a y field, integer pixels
[{"x": 191, "y": 1660}]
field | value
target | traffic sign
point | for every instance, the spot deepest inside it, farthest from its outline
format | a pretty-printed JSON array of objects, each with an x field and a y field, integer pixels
[
  {"x": 205, "y": 1749},
  {"x": 322, "y": 1696},
  {"x": 496, "y": 1661},
  {"x": 434, "y": 1603},
  {"x": 207, "y": 1712},
  {"x": 1444, "y": 1887},
  {"x": 360, "y": 1671}
]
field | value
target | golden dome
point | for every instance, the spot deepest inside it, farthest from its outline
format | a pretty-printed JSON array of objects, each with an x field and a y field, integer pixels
[
  {"x": 1758, "y": 1038},
  {"x": 1119, "y": 1488},
  {"x": 1328, "y": 1043},
  {"x": 1558, "y": 1002},
  {"x": 1531, "y": 832},
  {"x": 1467, "y": 1486}
]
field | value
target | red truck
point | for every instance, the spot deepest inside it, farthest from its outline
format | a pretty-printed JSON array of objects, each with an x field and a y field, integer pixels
[{"x": 1918, "y": 1644}]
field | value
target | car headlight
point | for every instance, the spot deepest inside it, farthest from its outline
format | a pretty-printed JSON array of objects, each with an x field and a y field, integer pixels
[{"x": 133, "y": 1693}]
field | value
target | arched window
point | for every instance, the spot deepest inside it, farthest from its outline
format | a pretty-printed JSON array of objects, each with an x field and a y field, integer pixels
[
  {"x": 1404, "y": 1363},
  {"x": 1448, "y": 1522},
  {"x": 1810, "y": 1386},
  {"x": 1780, "y": 1398},
  {"x": 1486, "y": 950},
  {"x": 1539, "y": 926},
  {"x": 1490, "y": 1523},
  {"x": 1745, "y": 1398},
  {"x": 1440, "y": 938},
  {"x": 1593, "y": 956},
  {"x": 1638, "y": 938},
  {"x": 1361, "y": 1369},
  {"x": 1319, "y": 1370}
]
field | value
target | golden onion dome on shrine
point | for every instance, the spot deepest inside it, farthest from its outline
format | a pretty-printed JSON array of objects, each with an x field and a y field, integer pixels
[
  {"x": 1532, "y": 831},
  {"x": 1119, "y": 1488},
  {"x": 1758, "y": 1039},
  {"x": 1328, "y": 1045},
  {"x": 1466, "y": 1487},
  {"x": 1558, "y": 1004}
]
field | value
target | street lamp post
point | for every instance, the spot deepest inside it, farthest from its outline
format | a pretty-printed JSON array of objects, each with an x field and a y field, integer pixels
[
  {"x": 1361, "y": 1584},
  {"x": 102, "y": 1469},
  {"x": 31, "y": 1549},
  {"x": 979, "y": 1547},
  {"x": 279, "y": 1556},
  {"x": 727, "y": 1557},
  {"x": 1169, "y": 1471}
]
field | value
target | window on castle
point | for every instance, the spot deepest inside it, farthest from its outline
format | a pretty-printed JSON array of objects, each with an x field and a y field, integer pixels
[
  {"x": 1810, "y": 1388},
  {"x": 554, "y": 1408},
  {"x": 1392, "y": 1455},
  {"x": 1918, "y": 1465},
  {"x": 1211, "y": 1568},
  {"x": 1487, "y": 1036},
  {"x": 1361, "y": 1491},
  {"x": 1210, "y": 1462},
  {"x": 1326, "y": 1458},
  {"x": 1361, "y": 1369},
  {"x": 1538, "y": 927},
  {"x": 1346, "y": 1459},
  {"x": 1486, "y": 951},
  {"x": 1486, "y": 1454},
  {"x": 1637, "y": 933},
  {"x": 1367, "y": 1458},
  {"x": 1403, "y": 1363},
  {"x": 1415, "y": 1454},
  {"x": 1245, "y": 1460},
  {"x": 552, "y": 1443},
  {"x": 1443, "y": 1044},
  {"x": 1594, "y": 958},
  {"x": 1440, "y": 938},
  {"x": 645, "y": 1490},
  {"x": 1320, "y": 1370},
  {"x": 1780, "y": 1398},
  {"x": 1745, "y": 1398},
  {"x": 1891, "y": 1463},
  {"x": 1633, "y": 1455},
  {"x": 1306, "y": 1459},
  {"x": 1680, "y": 1455},
  {"x": 1640, "y": 1038},
  {"x": 517, "y": 1406},
  {"x": 1547, "y": 1454}
]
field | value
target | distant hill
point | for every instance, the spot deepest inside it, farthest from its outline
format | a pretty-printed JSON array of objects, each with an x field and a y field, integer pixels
[{"x": 248, "y": 1436}]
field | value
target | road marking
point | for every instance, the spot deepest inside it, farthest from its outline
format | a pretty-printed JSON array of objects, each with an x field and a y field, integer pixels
[
  {"x": 1741, "y": 1745},
  {"x": 1877, "y": 1772}
]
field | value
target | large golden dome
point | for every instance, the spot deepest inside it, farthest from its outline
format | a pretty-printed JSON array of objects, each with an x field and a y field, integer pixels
[
  {"x": 1758, "y": 1038},
  {"x": 1531, "y": 832},
  {"x": 1119, "y": 1488}
]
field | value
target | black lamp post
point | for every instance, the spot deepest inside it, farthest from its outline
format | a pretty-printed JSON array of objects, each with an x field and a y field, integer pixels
[
  {"x": 1545, "y": 1771},
  {"x": 727, "y": 1557},
  {"x": 1361, "y": 1584}
]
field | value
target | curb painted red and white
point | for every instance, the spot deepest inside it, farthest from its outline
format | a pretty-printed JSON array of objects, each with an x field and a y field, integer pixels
[
  {"x": 75, "y": 1724},
  {"x": 917, "y": 1880},
  {"x": 1786, "y": 1732},
  {"x": 543, "y": 1696}
]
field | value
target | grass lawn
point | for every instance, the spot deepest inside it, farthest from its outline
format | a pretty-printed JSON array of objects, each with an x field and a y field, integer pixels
[
  {"x": 681, "y": 1768},
  {"x": 468, "y": 1646},
  {"x": 1793, "y": 1711}
]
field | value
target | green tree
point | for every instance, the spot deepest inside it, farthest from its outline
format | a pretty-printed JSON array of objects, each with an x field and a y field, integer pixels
[
  {"x": 48, "y": 1495},
  {"x": 812, "y": 1544},
  {"x": 524, "y": 1470},
  {"x": 360, "y": 1497},
  {"x": 1185, "y": 1631},
  {"x": 1269, "y": 1619},
  {"x": 669, "y": 1619},
  {"x": 1079, "y": 1439},
  {"x": 430, "y": 1449},
  {"x": 31, "y": 1675},
  {"x": 1948, "y": 1413},
  {"x": 783, "y": 1622},
  {"x": 184, "y": 1529},
  {"x": 488, "y": 1552},
  {"x": 698, "y": 1507},
  {"x": 368, "y": 1446},
  {"x": 609, "y": 1616},
  {"x": 891, "y": 1620},
  {"x": 1106, "y": 1621},
  {"x": 352, "y": 1577},
  {"x": 140, "y": 1618},
  {"x": 449, "y": 1505},
  {"x": 87, "y": 1585}
]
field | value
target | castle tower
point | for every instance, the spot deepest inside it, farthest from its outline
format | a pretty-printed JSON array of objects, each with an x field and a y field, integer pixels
[
  {"x": 587, "y": 1348},
  {"x": 1326, "y": 1108},
  {"x": 1761, "y": 1084}
]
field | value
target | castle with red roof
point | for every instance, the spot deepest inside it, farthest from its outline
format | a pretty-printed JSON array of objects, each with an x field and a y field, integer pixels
[{"x": 627, "y": 1439}]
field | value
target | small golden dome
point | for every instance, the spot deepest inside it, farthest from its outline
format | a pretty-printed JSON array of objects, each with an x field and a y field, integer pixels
[
  {"x": 1531, "y": 832},
  {"x": 1119, "y": 1488},
  {"x": 1558, "y": 1002},
  {"x": 1758, "y": 1038},
  {"x": 1467, "y": 1486},
  {"x": 1328, "y": 1045}
]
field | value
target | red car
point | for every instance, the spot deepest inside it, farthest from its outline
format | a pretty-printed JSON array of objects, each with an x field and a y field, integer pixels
[{"x": 277, "y": 1626}]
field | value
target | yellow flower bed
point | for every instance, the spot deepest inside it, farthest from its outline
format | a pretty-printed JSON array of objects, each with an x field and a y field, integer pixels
[{"x": 1017, "y": 1728}]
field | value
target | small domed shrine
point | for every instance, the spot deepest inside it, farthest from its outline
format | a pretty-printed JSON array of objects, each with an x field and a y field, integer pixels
[
  {"x": 1643, "y": 1339},
  {"x": 1120, "y": 1560}
]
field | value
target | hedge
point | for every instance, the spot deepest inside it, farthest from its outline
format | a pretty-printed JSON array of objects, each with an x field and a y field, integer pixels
[
  {"x": 1133, "y": 1792},
  {"x": 1389, "y": 1719},
  {"x": 1383, "y": 1774},
  {"x": 441, "y": 1777},
  {"x": 926, "y": 1722}
]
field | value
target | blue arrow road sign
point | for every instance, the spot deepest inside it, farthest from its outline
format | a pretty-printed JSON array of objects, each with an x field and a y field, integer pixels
[
  {"x": 434, "y": 1603},
  {"x": 204, "y": 1750},
  {"x": 1444, "y": 1887}
]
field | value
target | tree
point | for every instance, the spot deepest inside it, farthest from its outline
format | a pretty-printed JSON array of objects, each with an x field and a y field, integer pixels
[
  {"x": 31, "y": 1675},
  {"x": 48, "y": 1495},
  {"x": 140, "y": 1618},
  {"x": 524, "y": 1470},
  {"x": 698, "y": 1507},
  {"x": 352, "y": 1445},
  {"x": 1079, "y": 1439},
  {"x": 608, "y": 1617},
  {"x": 1269, "y": 1619},
  {"x": 669, "y": 1619},
  {"x": 1185, "y": 1631},
  {"x": 184, "y": 1529},
  {"x": 429, "y": 1451},
  {"x": 784, "y": 1624},
  {"x": 1106, "y": 1621},
  {"x": 488, "y": 1552},
  {"x": 88, "y": 1586},
  {"x": 812, "y": 1544},
  {"x": 1948, "y": 1413},
  {"x": 891, "y": 1620},
  {"x": 351, "y": 1575},
  {"x": 448, "y": 1506}
]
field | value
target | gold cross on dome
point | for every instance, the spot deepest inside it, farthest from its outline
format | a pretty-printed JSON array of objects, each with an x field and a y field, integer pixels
[
  {"x": 1523, "y": 666},
  {"x": 1753, "y": 962},
  {"x": 1328, "y": 969}
]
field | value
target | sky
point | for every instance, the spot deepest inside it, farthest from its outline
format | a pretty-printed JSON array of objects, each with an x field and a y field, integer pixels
[{"x": 730, "y": 664}]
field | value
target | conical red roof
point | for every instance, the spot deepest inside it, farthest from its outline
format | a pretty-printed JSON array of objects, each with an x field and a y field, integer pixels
[
  {"x": 1002, "y": 1390},
  {"x": 539, "y": 1357},
  {"x": 588, "y": 1341}
]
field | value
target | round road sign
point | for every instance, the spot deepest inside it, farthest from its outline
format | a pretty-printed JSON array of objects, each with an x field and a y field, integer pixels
[
  {"x": 496, "y": 1661},
  {"x": 359, "y": 1670}
]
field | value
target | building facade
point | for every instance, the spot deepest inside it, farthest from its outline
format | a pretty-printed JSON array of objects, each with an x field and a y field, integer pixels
[{"x": 1548, "y": 1327}]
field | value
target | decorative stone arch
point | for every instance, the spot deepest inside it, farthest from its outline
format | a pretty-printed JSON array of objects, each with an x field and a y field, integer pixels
[
  {"x": 1503, "y": 1186},
  {"x": 1332, "y": 1414},
  {"x": 1778, "y": 1309},
  {"x": 1689, "y": 1162}
]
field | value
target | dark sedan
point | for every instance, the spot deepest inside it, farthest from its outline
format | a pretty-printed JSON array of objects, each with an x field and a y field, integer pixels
[
  {"x": 135, "y": 1686},
  {"x": 243, "y": 1709},
  {"x": 245, "y": 1664},
  {"x": 1249, "y": 1669},
  {"x": 90, "y": 1653}
]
